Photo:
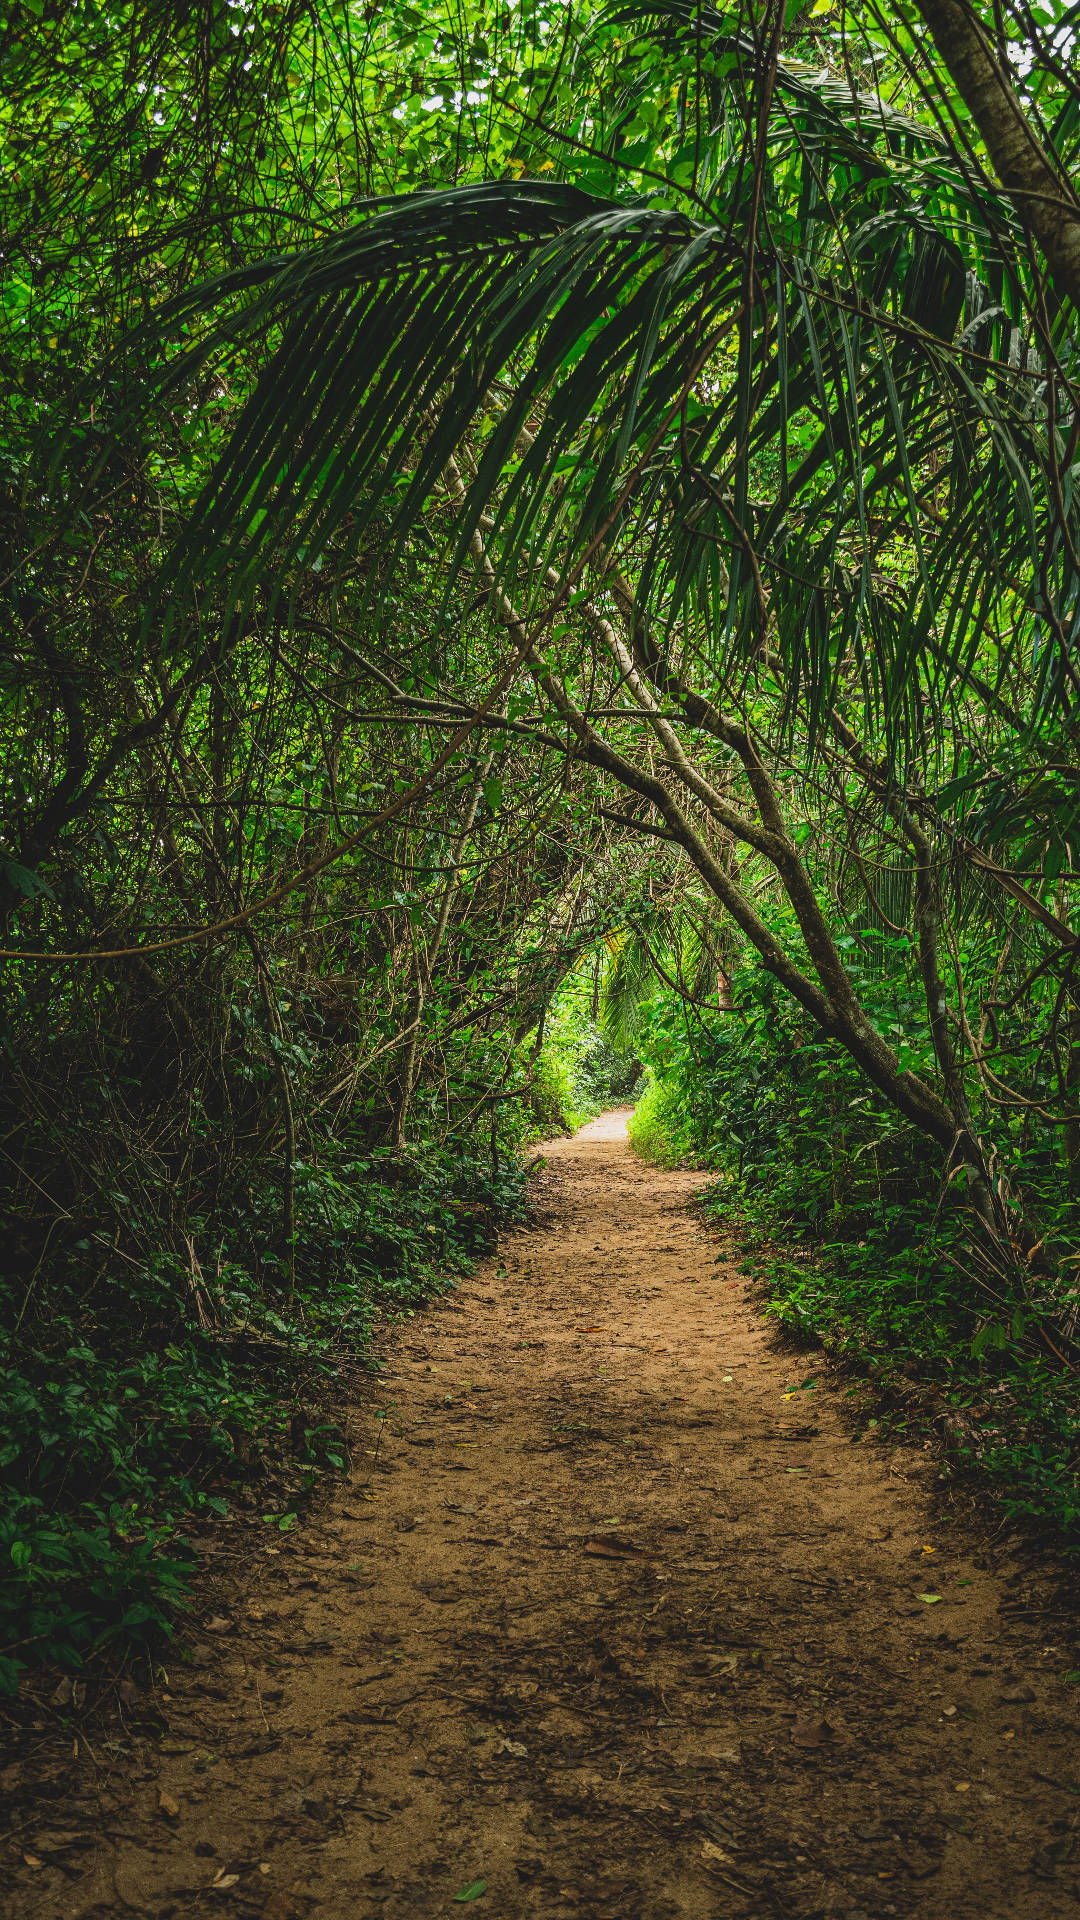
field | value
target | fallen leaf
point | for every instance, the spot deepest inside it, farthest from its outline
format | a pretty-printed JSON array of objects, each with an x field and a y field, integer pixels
[
  {"x": 928, "y": 1599},
  {"x": 473, "y": 1891},
  {"x": 613, "y": 1549},
  {"x": 222, "y": 1881},
  {"x": 218, "y": 1625},
  {"x": 512, "y": 1746},
  {"x": 710, "y": 1851},
  {"x": 32, "y": 1860},
  {"x": 167, "y": 1805},
  {"x": 811, "y": 1733},
  {"x": 961, "y": 1786}
]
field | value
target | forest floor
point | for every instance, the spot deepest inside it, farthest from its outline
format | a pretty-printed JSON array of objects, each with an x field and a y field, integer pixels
[{"x": 611, "y": 1615}]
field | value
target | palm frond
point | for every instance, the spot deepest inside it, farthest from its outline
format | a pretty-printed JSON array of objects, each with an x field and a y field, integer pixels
[{"x": 667, "y": 390}]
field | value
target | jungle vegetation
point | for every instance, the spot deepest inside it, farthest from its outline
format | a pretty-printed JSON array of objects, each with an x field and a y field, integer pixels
[{"x": 537, "y": 539}]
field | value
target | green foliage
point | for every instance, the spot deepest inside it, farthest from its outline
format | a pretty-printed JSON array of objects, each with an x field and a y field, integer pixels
[
  {"x": 551, "y": 1097},
  {"x": 579, "y": 1073},
  {"x": 873, "y": 430},
  {"x": 226, "y": 1159},
  {"x": 976, "y": 1377},
  {"x": 111, "y": 1439},
  {"x": 846, "y": 1221},
  {"x": 657, "y": 1125}
]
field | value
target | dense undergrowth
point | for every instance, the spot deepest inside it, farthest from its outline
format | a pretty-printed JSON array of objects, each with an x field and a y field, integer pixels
[
  {"x": 841, "y": 1213},
  {"x": 141, "y": 1394},
  {"x": 147, "y": 1399},
  {"x": 578, "y": 1072}
]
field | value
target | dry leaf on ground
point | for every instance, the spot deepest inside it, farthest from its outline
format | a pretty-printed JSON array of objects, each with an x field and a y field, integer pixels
[
  {"x": 811, "y": 1733},
  {"x": 613, "y": 1549}
]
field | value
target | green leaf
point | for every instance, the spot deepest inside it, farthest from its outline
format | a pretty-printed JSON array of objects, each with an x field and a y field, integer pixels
[
  {"x": 929, "y": 1599},
  {"x": 473, "y": 1891},
  {"x": 25, "y": 880}
]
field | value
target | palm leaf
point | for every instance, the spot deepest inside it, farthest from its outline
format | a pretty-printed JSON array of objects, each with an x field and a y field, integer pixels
[{"x": 609, "y": 321}]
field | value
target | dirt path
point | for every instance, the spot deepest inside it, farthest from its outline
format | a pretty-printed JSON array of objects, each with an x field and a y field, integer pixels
[{"x": 609, "y": 1623}]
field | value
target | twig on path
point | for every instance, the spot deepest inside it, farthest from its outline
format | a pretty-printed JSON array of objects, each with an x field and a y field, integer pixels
[
  {"x": 737, "y": 1884},
  {"x": 259, "y": 1698}
]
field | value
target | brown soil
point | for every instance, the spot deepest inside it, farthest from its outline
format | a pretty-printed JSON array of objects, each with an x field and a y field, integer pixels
[{"x": 606, "y": 1617}]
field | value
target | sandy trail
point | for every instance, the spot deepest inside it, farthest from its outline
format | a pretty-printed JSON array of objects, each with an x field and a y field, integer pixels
[{"x": 609, "y": 1623}]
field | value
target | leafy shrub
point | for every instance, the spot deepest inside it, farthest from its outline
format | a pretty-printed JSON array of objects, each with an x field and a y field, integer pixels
[
  {"x": 122, "y": 1419},
  {"x": 551, "y": 1096},
  {"x": 579, "y": 1073},
  {"x": 657, "y": 1128},
  {"x": 877, "y": 1263}
]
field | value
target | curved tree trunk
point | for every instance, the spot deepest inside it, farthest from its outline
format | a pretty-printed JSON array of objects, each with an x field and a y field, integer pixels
[{"x": 1044, "y": 197}]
